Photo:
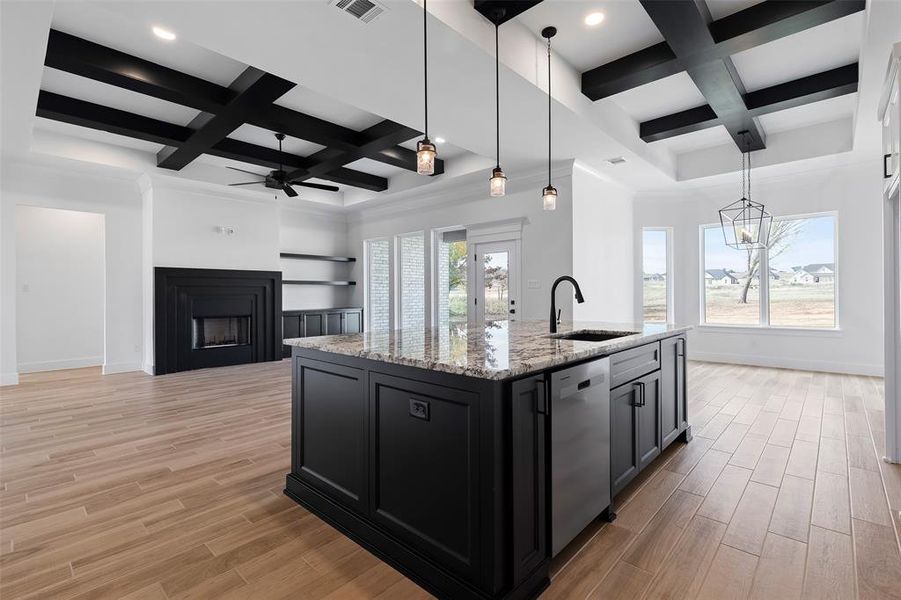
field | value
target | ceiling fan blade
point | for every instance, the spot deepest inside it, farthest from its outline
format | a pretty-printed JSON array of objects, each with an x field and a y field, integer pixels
[
  {"x": 248, "y": 172},
  {"x": 289, "y": 191},
  {"x": 248, "y": 183},
  {"x": 316, "y": 186}
]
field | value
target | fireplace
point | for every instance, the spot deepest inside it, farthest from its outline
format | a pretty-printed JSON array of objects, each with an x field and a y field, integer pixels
[
  {"x": 213, "y": 317},
  {"x": 220, "y": 332}
]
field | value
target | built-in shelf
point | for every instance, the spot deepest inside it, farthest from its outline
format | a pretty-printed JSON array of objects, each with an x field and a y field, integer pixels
[
  {"x": 315, "y": 282},
  {"x": 294, "y": 255}
]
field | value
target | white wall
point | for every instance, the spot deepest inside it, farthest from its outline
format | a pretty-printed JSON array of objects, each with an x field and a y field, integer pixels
[
  {"x": 59, "y": 289},
  {"x": 104, "y": 192},
  {"x": 854, "y": 192},
  {"x": 546, "y": 235},
  {"x": 603, "y": 247}
]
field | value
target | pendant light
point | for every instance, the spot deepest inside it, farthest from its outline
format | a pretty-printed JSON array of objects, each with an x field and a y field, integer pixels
[
  {"x": 425, "y": 149},
  {"x": 497, "y": 185},
  {"x": 745, "y": 223},
  {"x": 549, "y": 193}
]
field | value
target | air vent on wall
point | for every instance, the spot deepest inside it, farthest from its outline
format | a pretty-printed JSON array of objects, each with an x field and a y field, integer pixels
[
  {"x": 363, "y": 10},
  {"x": 616, "y": 160}
]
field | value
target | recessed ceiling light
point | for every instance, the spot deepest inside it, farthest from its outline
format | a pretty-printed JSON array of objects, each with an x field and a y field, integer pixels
[
  {"x": 163, "y": 34},
  {"x": 595, "y": 18},
  {"x": 440, "y": 140}
]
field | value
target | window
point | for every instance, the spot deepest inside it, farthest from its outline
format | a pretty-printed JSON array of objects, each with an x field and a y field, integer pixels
[
  {"x": 451, "y": 271},
  {"x": 378, "y": 285},
  {"x": 802, "y": 272},
  {"x": 799, "y": 289},
  {"x": 655, "y": 258},
  {"x": 410, "y": 280}
]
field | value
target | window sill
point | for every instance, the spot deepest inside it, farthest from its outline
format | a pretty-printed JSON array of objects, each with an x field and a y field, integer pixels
[{"x": 769, "y": 330}]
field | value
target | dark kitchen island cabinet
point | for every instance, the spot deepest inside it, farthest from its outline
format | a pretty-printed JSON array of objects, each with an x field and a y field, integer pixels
[{"x": 432, "y": 451}]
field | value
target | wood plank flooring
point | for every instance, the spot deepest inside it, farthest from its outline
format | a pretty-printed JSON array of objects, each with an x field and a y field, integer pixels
[{"x": 152, "y": 488}]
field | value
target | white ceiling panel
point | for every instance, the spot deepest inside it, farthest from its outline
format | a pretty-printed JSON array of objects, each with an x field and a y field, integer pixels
[
  {"x": 263, "y": 137},
  {"x": 724, "y": 8},
  {"x": 698, "y": 140},
  {"x": 626, "y": 28},
  {"x": 810, "y": 114},
  {"x": 446, "y": 150},
  {"x": 307, "y": 101},
  {"x": 662, "y": 97},
  {"x": 812, "y": 51},
  {"x": 111, "y": 96},
  {"x": 367, "y": 165},
  {"x": 96, "y": 135}
]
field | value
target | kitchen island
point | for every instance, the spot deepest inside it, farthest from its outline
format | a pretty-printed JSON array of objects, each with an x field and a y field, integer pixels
[{"x": 457, "y": 453}]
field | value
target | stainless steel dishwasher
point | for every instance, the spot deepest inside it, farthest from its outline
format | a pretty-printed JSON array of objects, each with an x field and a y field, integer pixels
[{"x": 580, "y": 448}]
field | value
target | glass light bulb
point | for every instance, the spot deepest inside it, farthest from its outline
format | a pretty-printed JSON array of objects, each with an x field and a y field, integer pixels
[
  {"x": 497, "y": 183},
  {"x": 549, "y": 198},
  {"x": 425, "y": 157}
]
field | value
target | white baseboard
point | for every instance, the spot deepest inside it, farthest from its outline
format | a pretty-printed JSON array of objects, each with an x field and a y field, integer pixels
[
  {"x": 148, "y": 368},
  {"x": 57, "y": 365},
  {"x": 125, "y": 367},
  {"x": 789, "y": 363},
  {"x": 9, "y": 379}
]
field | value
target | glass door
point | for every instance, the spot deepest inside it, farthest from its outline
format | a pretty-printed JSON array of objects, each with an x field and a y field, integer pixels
[{"x": 496, "y": 290}]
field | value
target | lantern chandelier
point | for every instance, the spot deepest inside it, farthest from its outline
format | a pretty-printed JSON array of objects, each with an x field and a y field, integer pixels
[
  {"x": 425, "y": 149},
  {"x": 745, "y": 223}
]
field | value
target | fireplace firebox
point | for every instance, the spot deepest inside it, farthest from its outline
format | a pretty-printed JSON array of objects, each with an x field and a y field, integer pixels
[{"x": 214, "y": 317}]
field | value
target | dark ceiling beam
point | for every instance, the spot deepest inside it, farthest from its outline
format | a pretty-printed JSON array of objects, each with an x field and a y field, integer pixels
[
  {"x": 685, "y": 27},
  {"x": 88, "y": 59},
  {"x": 503, "y": 10},
  {"x": 94, "y": 116},
  {"x": 254, "y": 91},
  {"x": 814, "y": 88},
  {"x": 759, "y": 24}
]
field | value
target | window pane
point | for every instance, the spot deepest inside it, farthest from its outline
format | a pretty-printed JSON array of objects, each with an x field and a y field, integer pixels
[
  {"x": 378, "y": 285},
  {"x": 451, "y": 281},
  {"x": 731, "y": 287},
  {"x": 411, "y": 273},
  {"x": 497, "y": 284},
  {"x": 654, "y": 274},
  {"x": 802, "y": 272}
]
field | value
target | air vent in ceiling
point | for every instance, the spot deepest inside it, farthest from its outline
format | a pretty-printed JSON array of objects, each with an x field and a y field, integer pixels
[
  {"x": 362, "y": 10},
  {"x": 616, "y": 160}
]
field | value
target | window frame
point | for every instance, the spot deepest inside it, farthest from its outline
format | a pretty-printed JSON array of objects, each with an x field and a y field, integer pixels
[
  {"x": 670, "y": 283},
  {"x": 763, "y": 323}
]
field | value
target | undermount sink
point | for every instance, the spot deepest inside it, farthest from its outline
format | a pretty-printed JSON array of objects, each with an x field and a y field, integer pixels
[{"x": 592, "y": 336}]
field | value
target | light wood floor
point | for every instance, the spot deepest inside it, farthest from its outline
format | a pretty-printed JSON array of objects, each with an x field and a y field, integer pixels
[{"x": 138, "y": 487}]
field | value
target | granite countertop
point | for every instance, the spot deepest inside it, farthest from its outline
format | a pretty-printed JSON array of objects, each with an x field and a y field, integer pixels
[{"x": 497, "y": 350}]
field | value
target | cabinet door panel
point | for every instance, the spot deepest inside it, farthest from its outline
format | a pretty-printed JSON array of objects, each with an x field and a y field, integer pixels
[
  {"x": 290, "y": 329},
  {"x": 353, "y": 321},
  {"x": 648, "y": 419},
  {"x": 329, "y": 429},
  {"x": 313, "y": 324},
  {"x": 670, "y": 393},
  {"x": 623, "y": 431},
  {"x": 424, "y": 468},
  {"x": 333, "y": 323},
  {"x": 528, "y": 405}
]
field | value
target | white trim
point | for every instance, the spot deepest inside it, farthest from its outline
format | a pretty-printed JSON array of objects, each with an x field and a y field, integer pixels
[
  {"x": 769, "y": 330},
  {"x": 123, "y": 367},
  {"x": 58, "y": 365},
  {"x": 495, "y": 231},
  {"x": 148, "y": 368},
  {"x": 873, "y": 370},
  {"x": 9, "y": 379}
]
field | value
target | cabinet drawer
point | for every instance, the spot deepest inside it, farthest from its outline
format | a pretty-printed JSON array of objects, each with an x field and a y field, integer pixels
[{"x": 629, "y": 365}]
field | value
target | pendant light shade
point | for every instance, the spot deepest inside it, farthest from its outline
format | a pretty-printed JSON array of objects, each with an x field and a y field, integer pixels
[
  {"x": 425, "y": 149},
  {"x": 549, "y": 193},
  {"x": 497, "y": 185},
  {"x": 745, "y": 223}
]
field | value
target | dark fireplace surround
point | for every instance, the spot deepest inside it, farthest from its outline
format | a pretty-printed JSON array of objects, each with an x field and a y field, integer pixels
[{"x": 215, "y": 317}]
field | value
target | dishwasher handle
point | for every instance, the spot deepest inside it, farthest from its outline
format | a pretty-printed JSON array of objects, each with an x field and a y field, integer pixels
[{"x": 638, "y": 386}]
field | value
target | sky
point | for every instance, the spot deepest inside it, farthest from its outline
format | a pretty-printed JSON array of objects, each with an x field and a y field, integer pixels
[{"x": 654, "y": 253}]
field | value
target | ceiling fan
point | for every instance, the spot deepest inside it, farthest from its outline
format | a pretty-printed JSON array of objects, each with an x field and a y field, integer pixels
[{"x": 278, "y": 179}]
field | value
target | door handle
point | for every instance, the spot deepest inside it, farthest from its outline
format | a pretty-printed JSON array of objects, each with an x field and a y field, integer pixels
[
  {"x": 512, "y": 311},
  {"x": 885, "y": 173}
]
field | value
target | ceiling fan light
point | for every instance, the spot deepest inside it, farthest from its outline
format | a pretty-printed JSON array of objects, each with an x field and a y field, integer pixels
[
  {"x": 497, "y": 183},
  {"x": 549, "y": 198},
  {"x": 425, "y": 157}
]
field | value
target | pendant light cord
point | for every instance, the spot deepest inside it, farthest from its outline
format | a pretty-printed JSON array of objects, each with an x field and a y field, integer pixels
[
  {"x": 425, "y": 63},
  {"x": 549, "y": 112},
  {"x": 497, "y": 89}
]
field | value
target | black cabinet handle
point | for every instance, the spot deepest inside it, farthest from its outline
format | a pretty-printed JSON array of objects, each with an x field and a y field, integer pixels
[
  {"x": 885, "y": 173},
  {"x": 542, "y": 397},
  {"x": 639, "y": 387}
]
